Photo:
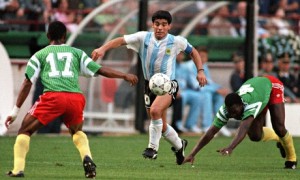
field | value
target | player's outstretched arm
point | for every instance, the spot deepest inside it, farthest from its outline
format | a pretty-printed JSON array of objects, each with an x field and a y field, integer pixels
[
  {"x": 24, "y": 91},
  {"x": 205, "y": 139},
  {"x": 111, "y": 73},
  {"x": 100, "y": 52},
  {"x": 241, "y": 134}
]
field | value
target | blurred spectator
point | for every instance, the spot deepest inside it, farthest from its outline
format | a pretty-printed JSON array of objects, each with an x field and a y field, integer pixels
[
  {"x": 220, "y": 24},
  {"x": 51, "y": 4},
  {"x": 278, "y": 25},
  {"x": 201, "y": 6},
  {"x": 90, "y": 4},
  {"x": 237, "y": 77},
  {"x": 239, "y": 18},
  {"x": 66, "y": 16},
  {"x": 291, "y": 7},
  {"x": 189, "y": 95},
  {"x": 267, "y": 7},
  {"x": 267, "y": 65},
  {"x": 35, "y": 12},
  {"x": 213, "y": 94},
  {"x": 287, "y": 78},
  {"x": 9, "y": 11},
  {"x": 292, "y": 10}
]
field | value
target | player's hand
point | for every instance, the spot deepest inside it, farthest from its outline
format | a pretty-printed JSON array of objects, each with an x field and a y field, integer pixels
[
  {"x": 190, "y": 159},
  {"x": 132, "y": 79},
  {"x": 225, "y": 151},
  {"x": 9, "y": 121},
  {"x": 13, "y": 115},
  {"x": 97, "y": 54},
  {"x": 201, "y": 78}
]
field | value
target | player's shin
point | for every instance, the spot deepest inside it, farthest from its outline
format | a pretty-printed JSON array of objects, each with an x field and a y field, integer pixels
[
  {"x": 269, "y": 135},
  {"x": 21, "y": 148},
  {"x": 288, "y": 144},
  {"x": 172, "y": 137},
  {"x": 155, "y": 129},
  {"x": 82, "y": 144}
]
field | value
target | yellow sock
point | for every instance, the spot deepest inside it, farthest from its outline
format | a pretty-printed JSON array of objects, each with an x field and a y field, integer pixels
[
  {"x": 82, "y": 144},
  {"x": 21, "y": 148},
  {"x": 288, "y": 145},
  {"x": 269, "y": 135}
]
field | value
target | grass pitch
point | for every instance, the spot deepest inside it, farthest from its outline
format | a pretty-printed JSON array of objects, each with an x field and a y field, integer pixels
[{"x": 121, "y": 158}]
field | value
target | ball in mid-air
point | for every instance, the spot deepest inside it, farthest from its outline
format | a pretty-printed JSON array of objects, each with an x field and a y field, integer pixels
[{"x": 160, "y": 84}]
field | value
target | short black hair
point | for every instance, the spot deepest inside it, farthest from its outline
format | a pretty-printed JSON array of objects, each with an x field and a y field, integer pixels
[
  {"x": 56, "y": 30},
  {"x": 161, "y": 14},
  {"x": 234, "y": 106},
  {"x": 233, "y": 99}
]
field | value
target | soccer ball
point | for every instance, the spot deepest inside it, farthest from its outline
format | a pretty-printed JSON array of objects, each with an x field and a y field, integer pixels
[{"x": 160, "y": 84}]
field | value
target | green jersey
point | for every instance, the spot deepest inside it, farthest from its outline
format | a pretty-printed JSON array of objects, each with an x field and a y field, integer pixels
[
  {"x": 255, "y": 94},
  {"x": 59, "y": 67}
]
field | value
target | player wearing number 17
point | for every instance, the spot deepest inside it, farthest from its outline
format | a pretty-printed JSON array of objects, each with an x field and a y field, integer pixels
[
  {"x": 59, "y": 67},
  {"x": 249, "y": 105}
]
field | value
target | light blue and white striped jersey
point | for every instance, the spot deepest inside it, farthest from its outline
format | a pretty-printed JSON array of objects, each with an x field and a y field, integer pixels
[{"x": 157, "y": 56}]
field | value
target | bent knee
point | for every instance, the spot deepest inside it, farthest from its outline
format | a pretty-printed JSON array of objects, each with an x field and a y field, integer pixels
[
  {"x": 255, "y": 138},
  {"x": 155, "y": 112}
]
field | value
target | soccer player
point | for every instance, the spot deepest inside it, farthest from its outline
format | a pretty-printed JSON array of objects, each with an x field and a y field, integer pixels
[
  {"x": 59, "y": 67},
  {"x": 157, "y": 51},
  {"x": 249, "y": 105}
]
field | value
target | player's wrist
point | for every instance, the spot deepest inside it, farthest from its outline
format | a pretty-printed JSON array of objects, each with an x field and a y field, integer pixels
[
  {"x": 14, "y": 112},
  {"x": 200, "y": 70}
]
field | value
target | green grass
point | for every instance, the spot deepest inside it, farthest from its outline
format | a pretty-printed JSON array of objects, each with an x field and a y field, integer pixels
[{"x": 120, "y": 158}]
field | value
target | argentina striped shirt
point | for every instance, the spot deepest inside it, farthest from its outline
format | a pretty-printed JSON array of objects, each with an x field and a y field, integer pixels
[{"x": 157, "y": 56}]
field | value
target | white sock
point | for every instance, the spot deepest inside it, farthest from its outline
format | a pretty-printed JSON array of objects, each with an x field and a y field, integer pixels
[
  {"x": 172, "y": 137},
  {"x": 155, "y": 130}
]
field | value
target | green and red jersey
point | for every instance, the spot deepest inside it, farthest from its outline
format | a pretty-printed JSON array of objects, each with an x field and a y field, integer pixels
[
  {"x": 255, "y": 94},
  {"x": 59, "y": 67}
]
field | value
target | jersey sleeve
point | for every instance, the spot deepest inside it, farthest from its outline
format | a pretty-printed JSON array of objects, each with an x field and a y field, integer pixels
[
  {"x": 33, "y": 69},
  {"x": 88, "y": 67},
  {"x": 134, "y": 41},
  {"x": 184, "y": 45},
  {"x": 221, "y": 118}
]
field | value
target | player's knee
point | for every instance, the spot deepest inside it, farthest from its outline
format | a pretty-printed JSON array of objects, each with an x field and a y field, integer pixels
[
  {"x": 255, "y": 138},
  {"x": 281, "y": 132},
  {"x": 155, "y": 112},
  {"x": 75, "y": 128}
]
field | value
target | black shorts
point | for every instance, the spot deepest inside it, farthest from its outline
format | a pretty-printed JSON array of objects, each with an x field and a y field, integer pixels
[{"x": 149, "y": 97}]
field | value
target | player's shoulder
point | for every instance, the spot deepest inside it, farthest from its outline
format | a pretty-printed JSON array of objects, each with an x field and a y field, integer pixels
[
  {"x": 179, "y": 38},
  {"x": 139, "y": 33}
]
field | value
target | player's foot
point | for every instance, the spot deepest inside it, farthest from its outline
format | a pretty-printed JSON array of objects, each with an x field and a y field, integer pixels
[
  {"x": 19, "y": 174},
  {"x": 150, "y": 153},
  {"x": 180, "y": 153},
  {"x": 290, "y": 164},
  {"x": 282, "y": 151},
  {"x": 89, "y": 167}
]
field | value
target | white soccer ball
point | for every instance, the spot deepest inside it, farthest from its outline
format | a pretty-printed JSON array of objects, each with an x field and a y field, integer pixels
[{"x": 160, "y": 84}]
